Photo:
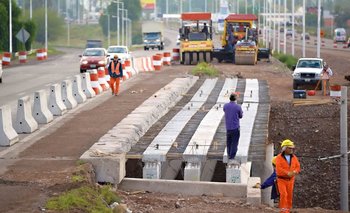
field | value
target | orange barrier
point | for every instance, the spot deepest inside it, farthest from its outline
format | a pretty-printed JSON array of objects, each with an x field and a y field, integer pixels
[
  {"x": 45, "y": 53},
  {"x": 107, "y": 77},
  {"x": 176, "y": 54},
  {"x": 6, "y": 59},
  {"x": 94, "y": 81},
  {"x": 128, "y": 68},
  {"x": 101, "y": 78},
  {"x": 323, "y": 43},
  {"x": 157, "y": 62},
  {"x": 40, "y": 54},
  {"x": 22, "y": 56},
  {"x": 167, "y": 58},
  {"x": 345, "y": 44},
  {"x": 144, "y": 64}
]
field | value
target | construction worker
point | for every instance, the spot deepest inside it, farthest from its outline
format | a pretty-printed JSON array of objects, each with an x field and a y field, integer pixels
[
  {"x": 326, "y": 74},
  {"x": 115, "y": 70},
  {"x": 233, "y": 112},
  {"x": 287, "y": 167}
]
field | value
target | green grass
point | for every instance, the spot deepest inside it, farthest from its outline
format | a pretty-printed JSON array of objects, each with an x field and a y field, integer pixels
[
  {"x": 288, "y": 60},
  {"x": 84, "y": 199},
  {"x": 205, "y": 69}
]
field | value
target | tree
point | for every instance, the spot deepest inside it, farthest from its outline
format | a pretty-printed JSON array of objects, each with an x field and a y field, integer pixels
[
  {"x": 55, "y": 24},
  {"x": 4, "y": 28},
  {"x": 342, "y": 9}
]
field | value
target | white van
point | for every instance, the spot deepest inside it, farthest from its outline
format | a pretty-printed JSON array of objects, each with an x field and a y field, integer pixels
[{"x": 339, "y": 35}]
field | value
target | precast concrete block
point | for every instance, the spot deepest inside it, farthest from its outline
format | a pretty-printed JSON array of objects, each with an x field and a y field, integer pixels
[
  {"x": 193, "y": 171},
  {"x": 8, "y": 135},
  {"x": 86, "y": 85},
  {"x": 233, "y": 173},
  {"x": 67, "y": 94},
  {"x": 25, "y": 122},
  {"x": 152, "y": 170},
  {"x": 108, "y": 168},
  {"x": 253, "y": 194},
  {"x": 56, "y": 105},
  {"x": 78, "y": 93},
  {"x": 41, "y": 112}
]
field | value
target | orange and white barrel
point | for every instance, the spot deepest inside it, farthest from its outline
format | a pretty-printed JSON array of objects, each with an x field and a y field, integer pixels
[
  {"x": 345, "y": 44},
  {"x": 45, "y": 53},
  {"x": 101, "y": 78},
  {"x": 323, "y": 43},
  {"x": 107, "y": 77},
  {"x": 157, "y": 62},
  {"x": 161, "y": 58},
  {"x": 167, "y": 58},
  {"x": 94, "y": 81},
  {"x": 40, "y": 55},
  {"x": 128, "y": 69},
  {"x": 335, "y": 45},
  {"x": 22, "y": 56},
  {"x": 6, "y": 59},
  {"x": 176, "y": 54}
]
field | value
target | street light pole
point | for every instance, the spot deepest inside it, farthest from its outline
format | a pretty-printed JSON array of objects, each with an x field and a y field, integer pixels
[
  {"x": 109, "y": 29},
  {"x": 279, "y": 28},
  {"x": 304, "y": 9},
  {"x": 67, "y": 17},
  {"x": 31, "y": 9},
  {"x": 46, "y": 25},
  {"x": 285, "y": 28},
  {"x": 319, "y": 29},
  {"x": 293, "y": 27},
  {"x": 10, "y": 25}
]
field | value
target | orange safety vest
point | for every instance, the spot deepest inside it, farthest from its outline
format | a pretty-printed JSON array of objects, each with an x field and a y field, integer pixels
[{"x": 115, "y": 69}]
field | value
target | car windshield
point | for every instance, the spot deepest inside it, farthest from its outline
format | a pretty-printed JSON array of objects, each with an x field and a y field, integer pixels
[
  {"x": 197, "y": 37},
  {"x": 116, "y": 50},
  {"x": 309, "y": 64},
  {"x": 93, "y": 52},
  {"x": 152, "y": 36}
]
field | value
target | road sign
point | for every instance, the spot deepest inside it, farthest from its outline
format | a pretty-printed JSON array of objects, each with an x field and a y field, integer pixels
[
  {"x": 322, "y": 33},
  {"x": 22, "y": 35}
]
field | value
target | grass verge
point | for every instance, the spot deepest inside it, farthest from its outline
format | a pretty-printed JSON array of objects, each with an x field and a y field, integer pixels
[
  {"x": 288, "y": 60},
  {"x": 205, "y": 69}
]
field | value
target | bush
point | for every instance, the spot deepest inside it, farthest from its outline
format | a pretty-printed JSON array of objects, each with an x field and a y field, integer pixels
[
  {"x": 204, "y": 68},
  {"x": 288, "y": 60}
]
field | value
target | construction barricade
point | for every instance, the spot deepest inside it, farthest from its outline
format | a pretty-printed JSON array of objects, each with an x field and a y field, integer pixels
[
  {"x": 107, "y": 77},
  {"x": 45, "y": 54},
  {"x": 144, "y": 64},
  {"x": 176, "y": 54},
  {"x": 128, "y": 69},
  {"x": 94, "y": 81},
  {"x": 157, "y": 62},
  {"x": 22, "y": 56},
  {"x": 167, "y": 58},
  {"x": 101, "y": 78},
  {"x": 40, "y": 54},
  {"x": 6, "y": 59}
]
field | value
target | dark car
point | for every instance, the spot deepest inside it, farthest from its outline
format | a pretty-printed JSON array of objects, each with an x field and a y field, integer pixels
[
  {"x": 93, "y": 58},
  {"x": 307, "y": 36}
]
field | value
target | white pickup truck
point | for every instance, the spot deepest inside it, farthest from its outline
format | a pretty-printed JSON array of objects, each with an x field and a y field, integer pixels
[{"x": 307, "y": 71}]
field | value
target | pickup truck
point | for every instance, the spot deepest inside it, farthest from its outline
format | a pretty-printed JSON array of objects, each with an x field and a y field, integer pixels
[{"x": 307, "y": 71}]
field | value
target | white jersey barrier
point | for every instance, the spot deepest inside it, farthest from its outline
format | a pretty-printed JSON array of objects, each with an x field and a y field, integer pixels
[
  {"x": 56, "y": 105},
  {"x": 41, "y": 112},
  {"x": 25, "y": 123},
  {"x": 67, "y": 94},
  {"x": 8, "y": 135},
  {"x": 86, "y": 86},
  {"x": 78, "y": 93}
]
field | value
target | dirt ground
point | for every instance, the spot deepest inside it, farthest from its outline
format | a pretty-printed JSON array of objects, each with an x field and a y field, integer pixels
[{"x": 45, "y": 168}]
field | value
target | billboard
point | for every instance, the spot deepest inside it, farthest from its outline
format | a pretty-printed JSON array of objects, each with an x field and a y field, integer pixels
[{"x": 148, "y": 4}]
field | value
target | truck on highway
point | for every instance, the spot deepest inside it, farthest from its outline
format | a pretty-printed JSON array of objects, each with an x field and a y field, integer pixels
[{"x": 152, "y": 33}]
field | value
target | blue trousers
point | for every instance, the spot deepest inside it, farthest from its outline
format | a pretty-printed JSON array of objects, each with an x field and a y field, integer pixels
[{"x": 232, "y": 138}]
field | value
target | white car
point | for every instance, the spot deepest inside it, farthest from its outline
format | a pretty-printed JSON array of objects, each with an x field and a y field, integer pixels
[
  {"x": 307, "y": 71},
  {"x": 122, "y": 52}
]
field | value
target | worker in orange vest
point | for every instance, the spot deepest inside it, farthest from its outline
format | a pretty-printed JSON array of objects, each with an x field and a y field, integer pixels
[
  {"x": 115, "y": 71},
  {"x": 287, "y": 167}
]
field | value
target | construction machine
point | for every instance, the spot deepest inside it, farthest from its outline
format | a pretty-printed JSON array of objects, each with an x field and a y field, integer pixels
[
  {"x": 239, "y": 40},
  {"x": 196, "y": 43}
]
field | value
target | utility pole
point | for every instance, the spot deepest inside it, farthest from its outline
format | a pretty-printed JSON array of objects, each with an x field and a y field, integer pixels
[
  {"x": 46, "y": 25},
  {"x": 285, "y": 28},
  {"x": 31, "y": 9},
  {"x": 344, "y": 181},
  {"x": 319, "y": 29},
  {"x": 304, "y": 10},
  {"x": 274, "y": 25},
  {"x": 68, "y": 32},
  {"x": 279, "y": 28},
  {"x": 293, "y": 27},
  {"x": 10, "y": 26}
]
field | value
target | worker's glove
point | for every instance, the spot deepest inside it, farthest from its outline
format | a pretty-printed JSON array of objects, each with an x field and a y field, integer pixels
[
  {"x": 257, "y": 186},
  {"x": 291, "y": 174}
]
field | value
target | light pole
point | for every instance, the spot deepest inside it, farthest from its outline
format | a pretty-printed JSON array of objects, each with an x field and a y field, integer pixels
[
  {"x": 31, "y": 9},
  {"x": 118, "y": 22},
  {"x": 304, "y": 28},
  {"x": 293, "y": 27},
  {"x": 45, "y": 25},
  {"x": 274, "y": 25},
  {"x": 279, "y": 28},
  {"x": 319, "y": 29},
  {"x": 285, "y": 28},
  {"x": 10, "y": 25},
  {"x": 109, "y": 29},
  {"x": 68, "y": 30}
]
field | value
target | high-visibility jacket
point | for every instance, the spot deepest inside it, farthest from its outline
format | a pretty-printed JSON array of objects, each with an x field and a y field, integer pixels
[{"x": 284, "y": 182}]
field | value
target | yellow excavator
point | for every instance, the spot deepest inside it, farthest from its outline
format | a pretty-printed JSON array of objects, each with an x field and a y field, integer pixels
[
  {"x": 196, "y": 43},
  {"x": 239, "y": 40}
]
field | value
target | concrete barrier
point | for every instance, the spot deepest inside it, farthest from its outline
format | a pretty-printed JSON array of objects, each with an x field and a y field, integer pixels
[
  {"x": 193, "y": 188},
  {"x": 253, "y": 194},
  {"x": 67, "y": 94},
  {"x": 86, "y": 86},
  {"x": 25, "y": 123},
  {"x": 56, "y": 105},
  {"x": 78, "y": 93},
  {"x": 8, "y": 135},
  {"x": 41, "y": 112}
]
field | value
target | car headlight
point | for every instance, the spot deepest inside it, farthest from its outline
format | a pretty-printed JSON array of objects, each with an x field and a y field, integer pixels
[
  {"x": 145, "y": 40},
  {"x": 84, "y": 62},
  {"x": 296, "y": 75},
  {"x": 158, "y": 40},
  {"x": 101, "y": 62}
]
